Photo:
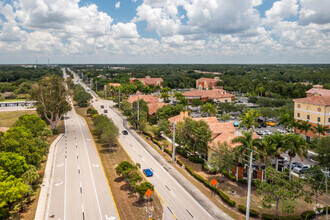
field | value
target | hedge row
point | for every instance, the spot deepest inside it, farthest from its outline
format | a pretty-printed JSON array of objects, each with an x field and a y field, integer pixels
[
  {"x": 168, "y": 151},
  {"x": 180, "y": 162},
  {"x": 308, "y": 215},
  {"x": 206, "y": 183},
  {"x": 274, "y": 217},
  {"x": 182, "y": 151},
  {"x": 253, "y": 213},
  {"x": 230, "y": 176},
  {"x": 196, "y": 159}
]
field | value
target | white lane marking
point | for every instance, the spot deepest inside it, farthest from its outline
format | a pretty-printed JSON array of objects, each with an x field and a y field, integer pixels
[
  {"x": 58, "y": 184},
  {"x": 110, "y": 218},
  {"x": 90, "y": 170},
  {"x": 96, "y": 165},
  {"x": 88, "y": 139},
  {"x": 60, "y": 165}
]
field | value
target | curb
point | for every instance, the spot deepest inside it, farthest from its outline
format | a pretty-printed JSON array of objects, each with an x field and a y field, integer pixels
[{"x": 45, "y": 186}]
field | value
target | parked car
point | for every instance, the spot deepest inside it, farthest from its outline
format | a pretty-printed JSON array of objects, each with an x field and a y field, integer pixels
[
  {"x": 270, "y": 123},
  {"x": 268, "y": 132},
  {"x": 280, "y": 131},
  {"x": 105, "y": 111},
  {"x": 124, "y": 132},
  {"x": 263, "y": 125},
  {"x": 301, "y": 168},
  {"x": 148, "y": 172},
  {"x": 235, "y": 124},
  {"x": 282, "y": 159},
  {"x": 294, "y": 164}
]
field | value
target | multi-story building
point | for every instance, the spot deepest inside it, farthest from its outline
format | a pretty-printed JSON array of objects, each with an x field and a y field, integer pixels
[
  {"x": 207, "y": 83},
  {"x": 148, "y": 81},
  {"x": 217, "y": 95},
  {"x": 315, "y": 109}
]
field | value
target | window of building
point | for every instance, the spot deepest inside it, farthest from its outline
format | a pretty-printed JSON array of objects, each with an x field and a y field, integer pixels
[
  {"x": 318, "y": 119},
  {"x": 328, "y": 119},
  {"x": 298, "y": 115},
  {"x": 308, "y": 117}
]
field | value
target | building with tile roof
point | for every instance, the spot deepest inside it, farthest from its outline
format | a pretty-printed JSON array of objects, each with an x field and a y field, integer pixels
[
  {"x": 217, "y": 95},
  {"x": 146, "y": 98},
  {"x": 315, "y": 109},
  {"x": 207, "y": 83},
  {"x": 148, "y": 81}
]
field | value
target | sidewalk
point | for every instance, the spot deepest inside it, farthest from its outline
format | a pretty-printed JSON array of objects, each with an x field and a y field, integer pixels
[
  {"x": 45, "y": 186},
  {"x": 188, "y": 186}
]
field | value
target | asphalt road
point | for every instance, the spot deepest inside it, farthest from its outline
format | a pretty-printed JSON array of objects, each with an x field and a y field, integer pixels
[
  {"x": 180, "y": 204},
  {"x": 79, "y": 189}
]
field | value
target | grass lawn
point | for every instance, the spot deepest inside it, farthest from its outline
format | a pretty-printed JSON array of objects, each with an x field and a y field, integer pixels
[
  {"x": 14, "y": 100},
  {"x": 7, "y": 119},
  {"x": 128, "y": 205}
]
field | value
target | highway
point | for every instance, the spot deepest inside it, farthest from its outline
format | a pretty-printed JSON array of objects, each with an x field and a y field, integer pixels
[
  {"x": 180, "y": 204},
  {"x": 79, "y": 189}
]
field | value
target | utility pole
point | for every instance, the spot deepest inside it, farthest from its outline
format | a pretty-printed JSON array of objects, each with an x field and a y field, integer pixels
[
  {"x": 105, "y": 93},
  {"x": 138, "y": 113},
  {"x": 326, "y": 194},
  {"x": 173, "y": 143},
  {"x": 119, "y": 100},
  {"x": 96, "y": 85},
  {"x": 249, "y": 188}
]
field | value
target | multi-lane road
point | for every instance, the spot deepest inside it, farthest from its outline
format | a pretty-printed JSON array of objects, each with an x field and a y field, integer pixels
[
  {"x": 179, "y": 202},
  {"x": 79, "y": 189}
]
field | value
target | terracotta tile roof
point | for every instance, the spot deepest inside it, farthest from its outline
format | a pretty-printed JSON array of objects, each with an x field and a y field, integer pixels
[
  {"x": 228, "y": 137},
  {"x": 316, "y": 100},
  {"x": 207, "y": 80},
  {"x": 154, "y": 106},
  {"x": 146, "y": 98},
  {"x": 322, "y": 92},
  {"x": 179, "y": 118},
  {"x": 114, "y": 84},
  {"x": 211, "y": 94},
  {"x": 148, "y": 81},
  {"x": 213, "y": 123}
]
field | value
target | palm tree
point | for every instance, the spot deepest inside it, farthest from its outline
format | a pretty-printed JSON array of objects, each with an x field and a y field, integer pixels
[
  {"x": 250, "y": 119},
  {"x": 285, "y": 119},
  {"x": 320, "y": 129},
  {"x": 247, "y": 143},
  {"x": 295, "y": 145},
  {"x": 210, "y": 109},
  {"x": 31, "y": 176},
  {"x": 273, "y": 145},
  {"x": 305, "y": 126}
]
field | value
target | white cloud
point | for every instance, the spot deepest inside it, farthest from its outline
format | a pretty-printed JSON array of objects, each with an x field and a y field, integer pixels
[
  {"x": 127, "y": 30},
  {"x": 280, "y": 10},
  {"x": 312, "y": 12},
  {"x": 117, "y": 5}
]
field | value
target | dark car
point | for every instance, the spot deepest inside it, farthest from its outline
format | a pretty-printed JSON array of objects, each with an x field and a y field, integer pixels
[
  {"x": 102, "y": 106},
  {"x": 124, "y": 132},
  {"x": 105, "y": 111},
  {"x": 148, "y": 172},
  {"x": 295, "y": 164}
]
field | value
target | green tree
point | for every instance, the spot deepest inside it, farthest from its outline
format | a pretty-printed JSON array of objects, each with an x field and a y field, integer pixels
[
  {"x": 32, "y": 122},
  {"x": 222, "y": 158},
  {"x": 139, "y": 114},
  {"x": 106, "y": 129},
  {"x": 267, "y": 112},
  {"x": 196, "y": 102},
  {"x": 249, "y": 119},
  {"x": 273, "y": 145},
  {"x": 209, "y": 109},
  {"x": 286, "y": 120},
  {"x": 246, "y": 144},
  {"x": 323, "y": 152},
  {"x": 168, "y": 111},
  {"x": 13, "y": 164},
  {"x": 51, "y": 97},
  {"x": 126, "y": 107},
  {"x": 320, "y": 129},
  {"x": 81, "y": 96},
  {"x": 277, "y": 189},
  {"x": 143, "y": 187},
  {"x": 305, "y": 126},
  {"x": 225, "y": 117},
  {"x": 195, "y": 134},
  {"x": 295, "y": 145},
  {"x": 164, "y": 96},
  {"x": 31, "y": 176},
  {"x": 124, "y": 166},
  {"x": 315, "y": 177}
]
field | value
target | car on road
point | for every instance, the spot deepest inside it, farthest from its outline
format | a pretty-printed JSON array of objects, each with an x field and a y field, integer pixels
[
  {"x": 282, "y": 159},
  {"x": 124, "y": 132},
  {"x": 301, "y": 168},
  {"x": 294, "y": 164},
  {"x": 148, "y": 172},
  {"x": 102, "y": 106},
  {"x": 105, "y": 111}
]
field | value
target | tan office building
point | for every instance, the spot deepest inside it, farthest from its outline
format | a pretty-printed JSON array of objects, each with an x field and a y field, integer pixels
[{"x": 315, "y": 109}]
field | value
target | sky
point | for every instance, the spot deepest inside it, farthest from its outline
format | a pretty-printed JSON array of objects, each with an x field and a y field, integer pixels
[{"x": 164, "y": 31}]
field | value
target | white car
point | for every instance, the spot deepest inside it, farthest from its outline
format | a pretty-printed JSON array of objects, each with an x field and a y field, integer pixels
[{"x": 301, "y": 168}]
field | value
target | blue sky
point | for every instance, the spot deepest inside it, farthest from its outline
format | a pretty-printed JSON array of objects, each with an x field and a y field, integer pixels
[{"x": 159, "y": 31}]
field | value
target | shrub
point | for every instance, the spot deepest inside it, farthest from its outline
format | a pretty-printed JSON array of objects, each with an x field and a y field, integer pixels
[
  {"x": 243, "y": 181},
  {"x": 4, "y": 213},
  {"x": 230, "y": 176},
  {"x": 322, "y": 210},
  {"x": 91, "y": 111},
  {"x": 180, "y": 162},
  {"x": 196, "y": 159},
  {"x": 208, "y": 169},
  {"x": 253, "y": 213},
  {"x": 206, "y": 183},
  {"x": 274, "y": 217},
  {"x": 168, "y": 151},
  {"x": 182, "y": 151},
  {"x": 308, "y": 215}
]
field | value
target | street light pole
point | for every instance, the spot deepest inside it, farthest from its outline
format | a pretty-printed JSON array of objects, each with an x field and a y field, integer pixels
[
  {"x": 249, "y": 188},
  {"x": 138, "y": 113},
  {"x": 119, "y": 100},
  {"x": 173, "y": 143},
  {"x": 326, "y": 194}
]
